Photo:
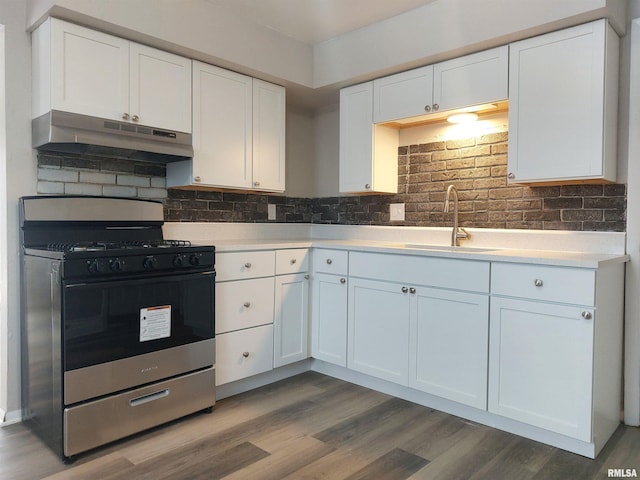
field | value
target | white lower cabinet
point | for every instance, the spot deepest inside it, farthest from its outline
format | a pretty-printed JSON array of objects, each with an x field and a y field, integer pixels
[
  {"x": 291, "y": 331},
  {"x": 449, "y": 333},
  {"x": 244, "y": 353},
  {"x": 541, "y": 365},
  {"x": 329, "y": 318},
  {"x": 378, "y": 329}
]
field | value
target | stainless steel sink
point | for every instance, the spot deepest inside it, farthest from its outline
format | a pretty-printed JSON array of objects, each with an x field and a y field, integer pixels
[{"x": 447, "y": 248}]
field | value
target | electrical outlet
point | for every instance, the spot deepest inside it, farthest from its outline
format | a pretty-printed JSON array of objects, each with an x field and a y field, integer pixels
[
  {"x": 396, "y": 212},
  {"x": 271, "y": 211}
]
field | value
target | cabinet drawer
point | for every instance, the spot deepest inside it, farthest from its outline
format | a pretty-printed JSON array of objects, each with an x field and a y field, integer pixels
[
  {"x": 542, "y": 282},
  {"x": 292, "y": 261},
  {"x": 437, "y": 272},
  {"x": 243, "y": 353},
  {"x": 244, "y": 303},
  {"x": 241, "y": 265},
  {"x": 331, "y": 261}
]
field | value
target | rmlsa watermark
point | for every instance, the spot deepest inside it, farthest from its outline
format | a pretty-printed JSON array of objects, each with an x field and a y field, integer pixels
[{"x": 622, "y": 473}]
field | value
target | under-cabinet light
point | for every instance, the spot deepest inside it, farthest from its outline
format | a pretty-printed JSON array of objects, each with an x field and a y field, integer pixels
[{"x": 464, "y": 117}]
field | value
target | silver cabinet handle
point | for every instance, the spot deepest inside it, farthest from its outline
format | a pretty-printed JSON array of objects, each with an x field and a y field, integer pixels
[
  {"x": 247, "y": 265},
  {"x": 293, "y": 261},
  {"x": 135, "y": 118},
  {"x": 247, "y": 304},
  {"x": 511, "y": 176},
  {"x": 538, "y": 282},
  {"x": 367, "y": 186},
  {"x": 256, "y": 184},
  {"x": 436, "y": 107},
  {"x": 125, "y": 116},
  {"x": 343, "y": 280},
  {"x": 245, "y": 354},
  {"x": 306, "y": 277},
  {"x": 412, "y": 290},
  {"x": 196, "y": 179},
  {"x": 405, "y": 289},
  {"x": 587, "y": 315},
  {"x": 427, "y": 108},
  {"x": 329, "y": 261}
]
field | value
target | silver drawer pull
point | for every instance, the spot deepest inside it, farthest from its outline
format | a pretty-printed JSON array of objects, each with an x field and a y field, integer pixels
[
  {"x": 134, "y": 402},
  {"x": 587, "y": 315},
  {"x": 247, "y": 304},
  {"x": 329, "y": 261},
  {"x": 538, "y": 282},
  {"x": 245, "y": 354},
  {"x": 247, "y": 265},
  {"x": 405, "y": 289},
  {"x": 293, "y": 261},
  {"x": 306, "y": 277},
  {"x": 343, "y": 280}
]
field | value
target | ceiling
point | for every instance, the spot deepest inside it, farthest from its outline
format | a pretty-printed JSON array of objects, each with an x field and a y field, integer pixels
[{"x": 314, "y": 21}]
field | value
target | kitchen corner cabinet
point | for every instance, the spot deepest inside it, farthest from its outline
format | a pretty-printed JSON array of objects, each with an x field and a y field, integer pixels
[
  {"x": 79, "y": 70},
  {"x": 329, "y": 306},
  {"x": 368, "y": 153},
  {"x": 238, "y": 133},
  {"x": 555, "y": 359},
  {"x": 460, "y": 82},
  {"x": 563, "y": 96},
  {"x": 291, "y": 319}
]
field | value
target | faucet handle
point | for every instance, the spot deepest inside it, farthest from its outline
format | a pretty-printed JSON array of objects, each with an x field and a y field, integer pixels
[{"x": 462, "y": 233}]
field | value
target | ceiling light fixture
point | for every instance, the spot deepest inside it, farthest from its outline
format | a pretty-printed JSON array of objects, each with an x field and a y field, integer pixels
[{"x": 465, "y": 117}]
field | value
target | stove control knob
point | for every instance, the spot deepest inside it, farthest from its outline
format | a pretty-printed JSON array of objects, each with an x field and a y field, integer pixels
[
  {"x": 116, "y": 265},
  {"x": 149, "y": 263},
  {"x": 194, "y": 259},
  {"x": 94, "y": 266},
  {"x": 177, "y": 261}
]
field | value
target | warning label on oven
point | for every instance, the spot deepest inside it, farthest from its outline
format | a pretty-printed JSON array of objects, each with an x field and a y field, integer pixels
[{"x": 155, "y": 322}]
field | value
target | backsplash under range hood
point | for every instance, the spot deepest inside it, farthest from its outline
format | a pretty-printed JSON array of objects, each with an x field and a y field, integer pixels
[{"x": 73, "y": 133}]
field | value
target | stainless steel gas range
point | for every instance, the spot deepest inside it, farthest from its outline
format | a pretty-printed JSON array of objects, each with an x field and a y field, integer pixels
[{"x": 118, "y": 323}]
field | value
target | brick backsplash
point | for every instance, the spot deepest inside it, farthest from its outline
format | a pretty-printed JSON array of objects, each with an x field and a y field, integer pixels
[{"x": 476, "y": 166}]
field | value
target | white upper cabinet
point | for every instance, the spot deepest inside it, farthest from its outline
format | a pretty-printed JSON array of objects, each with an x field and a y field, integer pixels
[
  {"x": 238, "y": 133},
  {"x": 368, "y": 152},
  {"x": 461, "y": 82},
  {"x": 563, "y": 106},
  {"x": 79, "y": 70}
]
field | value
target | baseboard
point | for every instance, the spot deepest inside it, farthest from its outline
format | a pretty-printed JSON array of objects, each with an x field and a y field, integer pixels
[{"x": 9, "y": 418}]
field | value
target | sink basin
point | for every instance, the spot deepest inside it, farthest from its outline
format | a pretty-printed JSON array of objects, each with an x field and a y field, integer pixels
[{"x": 447, "y": 248}]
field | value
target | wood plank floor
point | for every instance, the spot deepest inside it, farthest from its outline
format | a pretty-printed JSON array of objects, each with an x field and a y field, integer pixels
[{"x": 316, "y": 427}]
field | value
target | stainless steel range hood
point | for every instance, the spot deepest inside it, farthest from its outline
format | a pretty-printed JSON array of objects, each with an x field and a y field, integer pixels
[{"x": 72, "y": 133}]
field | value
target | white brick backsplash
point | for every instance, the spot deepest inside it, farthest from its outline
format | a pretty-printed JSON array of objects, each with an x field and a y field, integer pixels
[
  {"x": 118, "y": 191},
  {"x": 159, "y": 182},
  {"x": 82, "y": 189},
  {"x": 133, "y": 181},
  {"x": 152, "y": 193},
  {"x": 97, "y": 177},
  {"x": 50, "y": 187},
  {"x": 57, "y": 175}
]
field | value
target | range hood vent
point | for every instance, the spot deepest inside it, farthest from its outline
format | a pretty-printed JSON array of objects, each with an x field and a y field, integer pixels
[{"x": 73, "y": 133}]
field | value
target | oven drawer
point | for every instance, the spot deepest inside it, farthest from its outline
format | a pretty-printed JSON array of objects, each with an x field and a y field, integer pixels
[
  {"x": 244, "y": 303},
  {"x": 295, "y": 260},
  {"x": 244, "y": 353},
  {"x": 243, "y": 265},
  {"x": 544, "y": 282},
  {"x": 96, "y": 423}
]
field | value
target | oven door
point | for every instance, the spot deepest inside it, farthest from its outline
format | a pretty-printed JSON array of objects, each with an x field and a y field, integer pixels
[{"x": 123, "y": 333}]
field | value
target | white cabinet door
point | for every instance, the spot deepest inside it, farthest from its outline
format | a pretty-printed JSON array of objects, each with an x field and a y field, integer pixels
[
  {"x": 268, "y": 136},
  {"x": 563, "y": 105},
  {"x": 89, "y": 71},
  {"x": 540, "y": 365},
  {"x": 222, "y": 137},
  {"x": 243, "y": 353},
  {"x": 291, "y": 331},
  {"x": 449, "y": 345},
  {"x": 329, "y": 318},
  {"x": 368, "y": 152},
  {"x": 406, "y": 94},
  {"x": 471, "y": 80},
  {"x": 378, "y": 329},
  {"x": 160, "y": 93}
]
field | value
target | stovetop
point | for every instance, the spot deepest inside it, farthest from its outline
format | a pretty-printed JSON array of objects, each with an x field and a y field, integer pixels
[{"x": 121, "y": 245}]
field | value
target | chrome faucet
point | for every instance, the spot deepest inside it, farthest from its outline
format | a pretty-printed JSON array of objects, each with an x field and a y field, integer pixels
[{"x": 457, "y": 233}]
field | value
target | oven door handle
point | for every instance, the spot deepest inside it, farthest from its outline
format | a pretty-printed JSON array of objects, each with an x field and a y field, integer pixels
[{"x": 141, "y": 280}]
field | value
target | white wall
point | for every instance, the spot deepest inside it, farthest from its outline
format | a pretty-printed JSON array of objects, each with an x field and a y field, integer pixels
[
  {"x": 300, "y": 153},
  {"x": 327, "y": 137},
  {"x": 19, "y": 170}
]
